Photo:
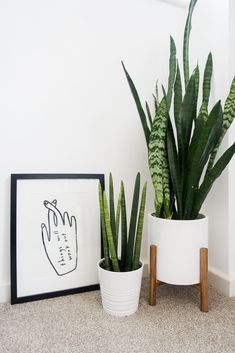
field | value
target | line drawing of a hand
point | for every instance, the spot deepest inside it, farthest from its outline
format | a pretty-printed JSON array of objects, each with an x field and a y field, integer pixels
[{"x": 60, "y": 239}]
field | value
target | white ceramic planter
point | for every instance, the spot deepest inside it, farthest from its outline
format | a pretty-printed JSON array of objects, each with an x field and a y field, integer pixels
[
  {"x": 178, "y": 248},
  {"x": 120, "y": 291}
]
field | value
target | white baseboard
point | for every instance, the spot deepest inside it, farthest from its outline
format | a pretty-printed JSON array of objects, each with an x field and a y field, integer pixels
[
  {"x": 145, "y": 270},
  {"x": 221, "y": 282},
  {"x": 5, "y": 296},
  {"x": 217, "y": 279},
  {"x": 232, "y": 288},
  {"x": 4, "y": 293}
]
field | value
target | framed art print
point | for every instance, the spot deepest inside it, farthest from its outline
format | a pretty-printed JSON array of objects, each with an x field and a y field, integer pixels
[{"x": 55, "y": 234}]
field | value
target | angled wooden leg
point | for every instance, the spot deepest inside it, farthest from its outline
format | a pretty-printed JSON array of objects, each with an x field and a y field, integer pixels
[
  {"x": 152, "y": 275},
  {"x": 204, "y": 279}
]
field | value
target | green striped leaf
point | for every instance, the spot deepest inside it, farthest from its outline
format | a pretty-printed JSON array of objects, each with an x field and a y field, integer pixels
[
  {"x": 204, "y": 111},
  {"x": 197, "y": 81},
  {"x": 157, "y": 93},
  {"x": 104, "y": 235},
  {"x": 187, "y": 30},
  {"x": 118, "y": 214},
  {"x": 174, "y": 168},
  {"x": 124, "y": 227},
  {"x": 155, "y": 105},
  {"x": 138, "y": 239},
  {"x": 207, "y": 80},
  {"x": 210, "y": 178},
  {"x": 133, "y": 220},
  {"x": 112, "y": 210},
  {"x": 156, "y": 148},
  {"x": 112, "y": 250},
  {"x": 205, "y": 137},
  {"x": 177, "y": 98},
  {"x": 229, "y": 114},
  {"x": 149, "y": 114},
  {"x": 184, "y": 125},
  {"x": 166, "y": 186},
  {"x": 229, "y": 108},
  {"x": 156, "y": 98},
  {"x": 172, "y": 71}
]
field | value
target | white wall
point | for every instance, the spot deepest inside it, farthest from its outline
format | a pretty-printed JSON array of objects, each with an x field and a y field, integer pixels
[
  {"x": 213, "y": 35},
  {"x": 218, "y": 35},
  {"x": 65, "y": 105},
  {"x": 232, "y": 165}
]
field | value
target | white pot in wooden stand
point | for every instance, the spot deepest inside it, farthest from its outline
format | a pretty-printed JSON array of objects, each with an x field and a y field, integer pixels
[
  {"x": 178, "y": 248},
  {"x": 179, "y": 254},
  {"x": 120, "y": 291}
]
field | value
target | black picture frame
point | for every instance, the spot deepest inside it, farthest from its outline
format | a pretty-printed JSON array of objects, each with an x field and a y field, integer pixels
[{"x": 74, "y": 239}]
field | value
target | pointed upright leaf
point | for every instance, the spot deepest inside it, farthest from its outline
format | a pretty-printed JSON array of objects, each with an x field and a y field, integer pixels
[
  {"x": 113, "y": 253},
  {"x": 104, "y": 234},
  {"x": 187, "y": 30},
  {"x": 172, "y": 71},
  {"x": 139, "y": 231},
  {"x": 204, "y": 140},
  {"x": 177, "y": 98},
  {"x": 149, "y": 115},
  {"x": 138, "y": 105},
  {"x": 207, "y": 80},
  {"x": 112, "y": 210},
  {"x": 156, "y": 98},
  {"x": 229, "y": 108},
  {"x": 204, "y": 111},
  {"x": 133, "y": 220},
  {"x": 156, "y": 149},
  {"x": 124, "y": 226},
  {"x": 229, "y": 115},
  {"x": 174, "y": 168},
  {"x": 197, "y": 81},
  {"x": 118, "y": 214},
  {"x": 184, "y": 125},
  {"x": 166, "y": 186}
]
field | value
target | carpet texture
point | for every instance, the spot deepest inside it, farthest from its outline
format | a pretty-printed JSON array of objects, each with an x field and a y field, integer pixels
[{"x": 78, "y": 324}]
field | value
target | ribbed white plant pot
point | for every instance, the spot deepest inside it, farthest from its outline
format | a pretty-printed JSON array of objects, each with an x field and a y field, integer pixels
[
  {"x": 178, "y": 248},
  {"x": 120, "y": 291}
]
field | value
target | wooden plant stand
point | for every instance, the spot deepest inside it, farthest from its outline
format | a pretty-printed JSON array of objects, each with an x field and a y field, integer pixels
[{"x": 202, "y": 286}]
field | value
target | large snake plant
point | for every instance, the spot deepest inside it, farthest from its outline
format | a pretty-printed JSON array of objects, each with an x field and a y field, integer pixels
[
  {"x": 110, "y": 220},
  {"x": 182, "y": 149}
]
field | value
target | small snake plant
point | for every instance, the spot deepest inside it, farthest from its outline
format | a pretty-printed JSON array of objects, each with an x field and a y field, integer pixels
[
  {"x": 110, "y": 220},
  {"x": 182, "y": 149}
]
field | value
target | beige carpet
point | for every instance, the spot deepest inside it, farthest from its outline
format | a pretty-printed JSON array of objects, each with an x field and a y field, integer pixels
[{"x": 78, "y": 324}]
